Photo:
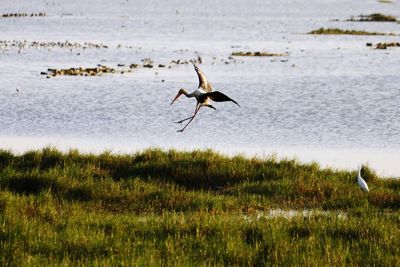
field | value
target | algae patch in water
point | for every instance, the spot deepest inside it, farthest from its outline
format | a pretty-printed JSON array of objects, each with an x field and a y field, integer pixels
[
  {"x": 348, "y": 32},
  {"x": 257, "y": 54},
  {"x": 15, "y": 15},
  {"x": 385, "y": 1},
  {"x": 100, "y": 69},
  {"x": 384, "y": 45},
  {"x": 376, "y": 17},
  {"x": 96, "y": 71}
]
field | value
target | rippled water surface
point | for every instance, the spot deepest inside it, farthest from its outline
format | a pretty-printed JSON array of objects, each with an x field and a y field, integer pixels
[{"x": 331, "y": 99}]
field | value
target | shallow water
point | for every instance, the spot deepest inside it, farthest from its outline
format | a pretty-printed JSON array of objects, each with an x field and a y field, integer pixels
[
  {"x": 290, "y": 214},
  {"x": 332, "y": 99}
]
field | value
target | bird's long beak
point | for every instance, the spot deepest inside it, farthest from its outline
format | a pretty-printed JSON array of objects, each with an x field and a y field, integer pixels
[{"x": 176, "y": 97}]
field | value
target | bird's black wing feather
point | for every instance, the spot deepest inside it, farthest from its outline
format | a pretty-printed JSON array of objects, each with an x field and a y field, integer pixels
[{"x": 220, "y": 97}]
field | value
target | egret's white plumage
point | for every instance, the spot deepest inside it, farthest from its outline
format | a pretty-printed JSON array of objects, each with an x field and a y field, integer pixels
[{"x": 363, "y": 185}]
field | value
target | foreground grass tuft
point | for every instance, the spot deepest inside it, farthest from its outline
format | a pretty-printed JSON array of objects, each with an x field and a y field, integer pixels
[{"x": 172, "y": 208}]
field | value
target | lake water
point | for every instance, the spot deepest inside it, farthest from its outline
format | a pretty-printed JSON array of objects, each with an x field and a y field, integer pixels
[{"x": 332, "y": 99}]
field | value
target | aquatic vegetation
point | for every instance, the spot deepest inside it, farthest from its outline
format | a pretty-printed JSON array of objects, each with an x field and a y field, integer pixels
[
  {"x": 384, "y": 45},
  {"x": 122, "y": 68},
  {"x": 15, "y": 15},
  {"x": 349, "y": 32},
  {"x": 52, "y": 44},
  {"x": 257, "y": 54},
  {"x": 100, "y": 70},
  {"x": 182, "y": 208},
  {"x": 374, "y": 17}
]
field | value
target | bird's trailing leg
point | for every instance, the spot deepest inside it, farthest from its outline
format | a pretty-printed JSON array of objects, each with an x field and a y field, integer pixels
[
  {"x": 181, "y": 130},
  {"x": 194, "y": 115},
  {"x": 189, "y": 118}
]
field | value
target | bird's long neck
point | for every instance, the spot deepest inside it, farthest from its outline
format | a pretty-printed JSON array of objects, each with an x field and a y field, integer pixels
[{"x": 187, "y": 94}]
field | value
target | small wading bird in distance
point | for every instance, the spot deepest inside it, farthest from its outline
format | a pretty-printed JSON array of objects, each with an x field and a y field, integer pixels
[
  {"x": 203, "y": 95},
  {"x": 363, "y": 185}
]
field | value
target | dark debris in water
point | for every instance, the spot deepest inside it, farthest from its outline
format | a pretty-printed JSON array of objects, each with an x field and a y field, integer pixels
[
  {"x": 96, "y": 71},
  {"x": 5, "y": 44},
  {"x": 122, "y": 68},
  {"x": 384, "y": 45},
  {"x": 17, "y": 15},
  {"x": 258, "y": 54},
  {"x": 376, "y": 17}
]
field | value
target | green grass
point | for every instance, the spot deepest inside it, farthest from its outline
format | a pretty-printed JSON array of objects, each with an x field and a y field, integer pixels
[
  {"x": 190, "y": 208},
  {"x": 348, "y": 32},
  {"x": 385, "y": 1},
  {"x": 377, "y": 17}
]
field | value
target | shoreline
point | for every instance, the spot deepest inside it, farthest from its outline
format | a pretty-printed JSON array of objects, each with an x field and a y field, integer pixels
[{"x": 382, "y": 160}]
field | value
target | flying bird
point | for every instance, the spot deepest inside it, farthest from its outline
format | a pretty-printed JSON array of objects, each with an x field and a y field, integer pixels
[
  {"x": 203, "y": 95},
  {"x": 363, "y": 185}
]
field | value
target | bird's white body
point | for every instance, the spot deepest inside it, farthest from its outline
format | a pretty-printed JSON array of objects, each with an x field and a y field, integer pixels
[
  {"x": 197, "y": 94},
  {"x": 363, "y": 185}
]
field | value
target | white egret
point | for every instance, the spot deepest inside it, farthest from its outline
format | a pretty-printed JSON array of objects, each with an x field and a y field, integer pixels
[{"x": 363, "y": 185}]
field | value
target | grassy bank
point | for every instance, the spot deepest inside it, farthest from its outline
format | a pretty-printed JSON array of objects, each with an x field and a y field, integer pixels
[{"x": 168, "y": 207}]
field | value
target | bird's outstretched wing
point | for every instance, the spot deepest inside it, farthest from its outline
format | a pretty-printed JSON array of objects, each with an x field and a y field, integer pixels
[
  {"x": 203, "y": 83},
  {"x": 220, "y": 97}
]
